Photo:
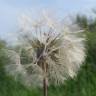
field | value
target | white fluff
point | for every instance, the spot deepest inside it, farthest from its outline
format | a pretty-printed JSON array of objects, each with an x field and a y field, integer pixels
[{"x": 70, "y": 56}]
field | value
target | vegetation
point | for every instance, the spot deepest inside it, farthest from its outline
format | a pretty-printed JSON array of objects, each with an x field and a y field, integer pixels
[{"x": 82, "y": 85}]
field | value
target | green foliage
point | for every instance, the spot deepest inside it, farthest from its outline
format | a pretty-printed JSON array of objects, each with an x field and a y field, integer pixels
[
  {"x": 25, "y": 58},
  {"x": 82, "y": 21},
  {"x": 2, "y": 43},
  {"x": 86, "y": 23},
  {"x": 83, "y": 85},
  {"x": 91, "y": 42}
]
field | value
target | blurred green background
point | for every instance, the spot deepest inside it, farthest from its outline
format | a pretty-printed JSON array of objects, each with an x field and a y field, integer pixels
[{"x": 82, "y": 85}]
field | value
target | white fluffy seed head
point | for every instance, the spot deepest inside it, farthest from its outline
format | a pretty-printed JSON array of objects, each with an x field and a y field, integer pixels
[{"x": 63, "y": 51}]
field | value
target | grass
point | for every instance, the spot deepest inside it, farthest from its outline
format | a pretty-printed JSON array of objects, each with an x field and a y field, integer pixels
[{"x": 83, "y": 85}]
